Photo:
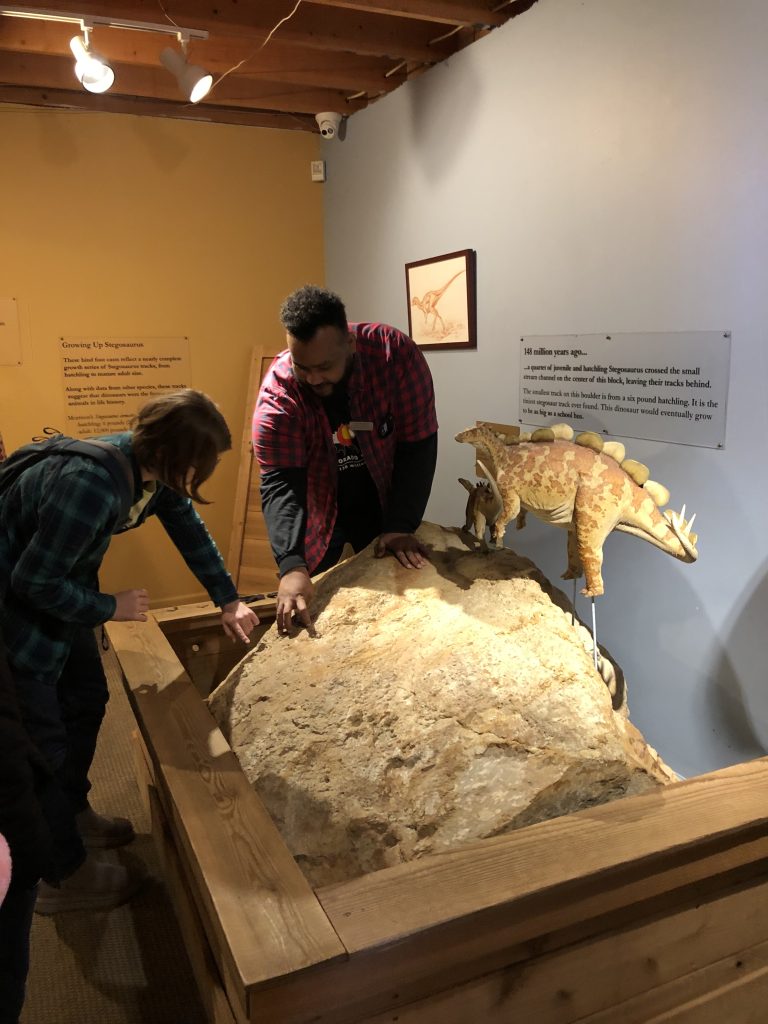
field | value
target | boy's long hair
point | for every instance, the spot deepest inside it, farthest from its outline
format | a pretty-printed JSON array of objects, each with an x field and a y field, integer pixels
[{"x": 179, "y": 432}]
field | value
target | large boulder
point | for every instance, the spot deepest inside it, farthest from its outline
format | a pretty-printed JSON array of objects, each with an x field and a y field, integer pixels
[{"x": 429, "y": 708}]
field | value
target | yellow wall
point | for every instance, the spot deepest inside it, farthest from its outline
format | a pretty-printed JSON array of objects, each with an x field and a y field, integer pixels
[{"x": 125, "y": 226}]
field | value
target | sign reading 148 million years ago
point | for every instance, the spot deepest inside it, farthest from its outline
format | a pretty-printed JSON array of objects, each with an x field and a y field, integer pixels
[{"x": 662, "y": 387}]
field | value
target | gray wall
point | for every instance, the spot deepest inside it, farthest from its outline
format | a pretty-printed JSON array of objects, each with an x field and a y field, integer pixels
[{"x": 608, "y": 161}]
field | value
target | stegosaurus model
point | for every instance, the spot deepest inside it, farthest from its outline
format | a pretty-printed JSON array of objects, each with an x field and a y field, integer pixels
[{"x": 584, "y": 485}]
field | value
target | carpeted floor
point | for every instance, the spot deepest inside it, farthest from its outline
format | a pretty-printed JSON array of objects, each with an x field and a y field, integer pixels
[{"x": 128, "y": 965}]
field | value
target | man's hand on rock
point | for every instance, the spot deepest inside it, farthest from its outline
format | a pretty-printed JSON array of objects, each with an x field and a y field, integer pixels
[
  {"x": 294, "y": 596},
  {"x": 406, "y": 548}
]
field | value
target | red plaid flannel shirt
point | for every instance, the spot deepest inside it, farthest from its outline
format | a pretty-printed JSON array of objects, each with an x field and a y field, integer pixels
[{"x": 390, "y": 385}]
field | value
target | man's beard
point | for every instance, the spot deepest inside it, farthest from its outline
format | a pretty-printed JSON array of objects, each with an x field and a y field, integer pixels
[{"x": 339, "y": 388}]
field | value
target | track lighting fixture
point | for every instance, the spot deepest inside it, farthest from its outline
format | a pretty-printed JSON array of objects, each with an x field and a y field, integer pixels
[
  {"x": 94, "y": 72},
  {"x": 194, "y": 82}
]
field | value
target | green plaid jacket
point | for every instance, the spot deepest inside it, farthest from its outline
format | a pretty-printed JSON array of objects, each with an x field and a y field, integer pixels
[{"x": 56, "y": 522}]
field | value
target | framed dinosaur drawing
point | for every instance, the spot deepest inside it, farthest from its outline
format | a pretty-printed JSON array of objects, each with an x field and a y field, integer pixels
[{"x": 441, "y": 300}]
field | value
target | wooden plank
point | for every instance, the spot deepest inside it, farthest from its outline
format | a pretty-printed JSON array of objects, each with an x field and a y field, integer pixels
[
  {"x": 209, "y": 655},
  {"x": 212, "y": 995},
  {"x": 447, "y": 12},
  {"x": 203, "y": 614},
  {"x": 628, "y": 976},
  {"x": 198, "y": 641},
  {"x": 277, "y": 62},
  {"x": 256, "y": 529},
  {"x": 259, "y": 573},
  {"x": 260, "y": 580},
  {"x": 142, "y": 765},
  {"x": 442, "y": 949},
  {"x": 109, "y": 103},
  {"x": 372, "y": 34},
  {"x": 262, "y": 917},
  {"x": 440, "y": 958},
  {"x": 605, "y": 843},
  {"x": 742, "y": 1002},
  {"x": 251, "y": 561},
  {"x": 732, "y": 991},
  {"x": 134, "y": 80},
  {"x": 246, "y": 462}
]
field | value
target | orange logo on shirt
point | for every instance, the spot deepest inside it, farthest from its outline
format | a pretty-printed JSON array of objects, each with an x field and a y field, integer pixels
[{"x": 343, "y": 435}]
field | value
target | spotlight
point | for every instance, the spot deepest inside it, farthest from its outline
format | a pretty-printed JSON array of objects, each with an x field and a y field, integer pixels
[
  {"x": 194, "y": 82},
  {"x": 92, "y": 70}
]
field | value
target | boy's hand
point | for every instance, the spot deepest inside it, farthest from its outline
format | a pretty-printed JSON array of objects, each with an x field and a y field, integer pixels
[
  {"x": 131, "y": 606},
  {"x": 238, "y": 621}
]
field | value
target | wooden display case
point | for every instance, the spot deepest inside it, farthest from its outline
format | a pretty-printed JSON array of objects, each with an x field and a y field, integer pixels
[{"x": 651, "y": 908}]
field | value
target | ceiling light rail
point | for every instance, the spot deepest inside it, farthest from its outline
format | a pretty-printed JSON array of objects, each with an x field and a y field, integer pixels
[
  {"x": 94, "y": 72},
  {"x": 91, "y": 20}
]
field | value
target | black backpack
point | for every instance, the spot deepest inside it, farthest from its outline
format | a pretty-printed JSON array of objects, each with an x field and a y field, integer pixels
[{"x": 115, "y": 461}]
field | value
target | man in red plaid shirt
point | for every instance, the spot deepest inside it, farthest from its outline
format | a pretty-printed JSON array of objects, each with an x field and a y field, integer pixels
[{"x": 345, "y": 434}]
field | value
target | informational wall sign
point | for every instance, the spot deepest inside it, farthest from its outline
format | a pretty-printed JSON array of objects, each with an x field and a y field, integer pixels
[
  {"x": 106, "y": 380},
  {"x": 662, "y": 387},
  {"x": 10, "y": 341}
]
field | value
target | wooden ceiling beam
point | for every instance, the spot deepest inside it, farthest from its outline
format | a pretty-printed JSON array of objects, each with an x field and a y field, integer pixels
[
  {"x": 278, "y": 62},
  {"x": 375, "y": 35},
  {"x": 50, "y": 72},
  {"x": 67, "y": 99},
  {"x": 446, "y": 12},
  {"x": 269, "y": 58}
]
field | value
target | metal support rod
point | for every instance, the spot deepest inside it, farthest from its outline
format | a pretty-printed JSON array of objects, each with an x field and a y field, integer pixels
[{"x": 594, "y": 634}]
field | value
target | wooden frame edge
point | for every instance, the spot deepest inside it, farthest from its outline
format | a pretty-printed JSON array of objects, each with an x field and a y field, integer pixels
[
  {"x": 234, "y": 553},
  {"x": 265, "y": 918}
]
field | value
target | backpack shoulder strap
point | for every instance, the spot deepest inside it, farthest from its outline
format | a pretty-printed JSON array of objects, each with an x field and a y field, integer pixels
[
  {"x": 112, "y": 458},
  {"x": 22, "y": 458}
]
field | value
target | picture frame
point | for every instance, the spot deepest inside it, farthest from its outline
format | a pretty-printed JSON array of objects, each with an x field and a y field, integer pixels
[{"x": 441, "y": 300}]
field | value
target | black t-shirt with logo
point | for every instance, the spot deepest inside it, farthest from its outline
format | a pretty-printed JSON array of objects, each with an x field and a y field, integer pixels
[{"x": 359, "y": 508}]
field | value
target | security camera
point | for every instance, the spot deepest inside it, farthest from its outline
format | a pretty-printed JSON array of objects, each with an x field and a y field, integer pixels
[{"x": 328, "y": 123}]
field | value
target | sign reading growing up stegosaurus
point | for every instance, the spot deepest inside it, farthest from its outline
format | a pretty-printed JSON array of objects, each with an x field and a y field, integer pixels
[
  {"x": 107, "y": 379},
  {"x": 662, "y": 387}
]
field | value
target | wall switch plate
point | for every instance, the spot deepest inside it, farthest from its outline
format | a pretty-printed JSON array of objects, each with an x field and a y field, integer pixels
[{"x": 317, "y": 170}]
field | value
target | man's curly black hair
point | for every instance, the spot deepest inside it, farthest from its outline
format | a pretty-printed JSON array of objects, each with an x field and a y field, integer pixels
[{"x": 307, "y": 310}]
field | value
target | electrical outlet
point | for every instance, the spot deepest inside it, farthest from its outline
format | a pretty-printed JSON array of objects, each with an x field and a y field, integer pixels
[{"x": 317, "y": 170}]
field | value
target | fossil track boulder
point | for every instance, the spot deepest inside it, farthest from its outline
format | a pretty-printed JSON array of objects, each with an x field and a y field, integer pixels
[{"x": 429, "y": 708}]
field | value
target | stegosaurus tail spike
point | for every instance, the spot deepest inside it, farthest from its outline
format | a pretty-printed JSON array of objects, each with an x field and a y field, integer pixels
[{"x": 658, "y": 493}]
